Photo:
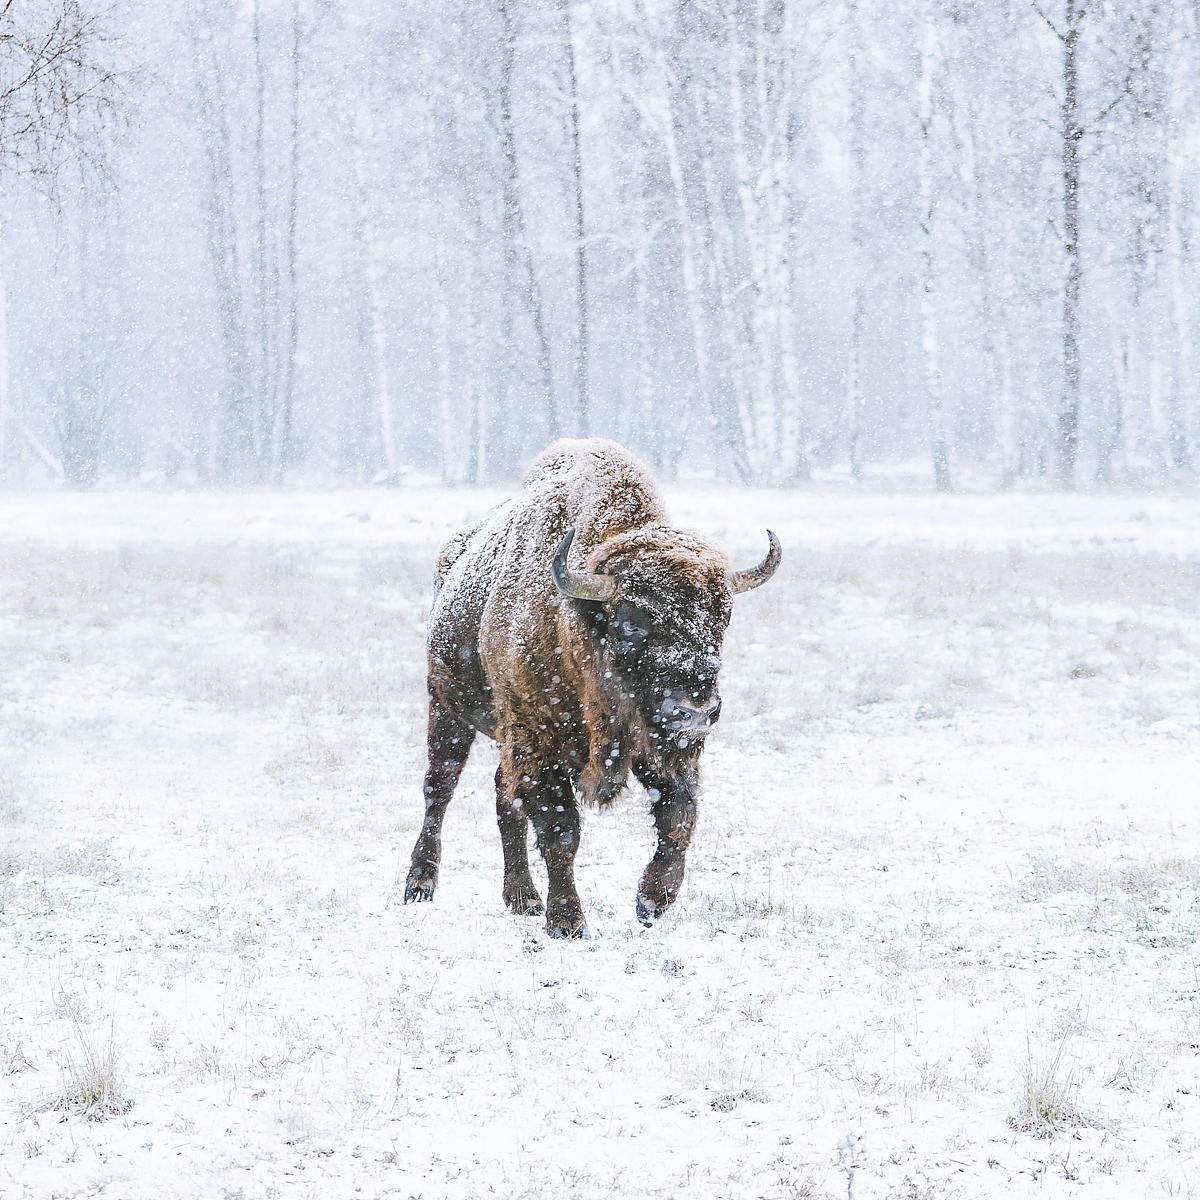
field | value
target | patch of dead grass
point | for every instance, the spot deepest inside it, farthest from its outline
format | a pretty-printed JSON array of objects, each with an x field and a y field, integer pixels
[
  {"x": 1047, "y": 1103},
  {"x": 94, "y": 1088}
]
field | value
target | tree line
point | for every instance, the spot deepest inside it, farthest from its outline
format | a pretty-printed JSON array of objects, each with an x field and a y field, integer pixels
[{"x": 281, "y": 240}]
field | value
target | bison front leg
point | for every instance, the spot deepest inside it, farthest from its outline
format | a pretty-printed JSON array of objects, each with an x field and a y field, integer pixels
[
  {"x": 549, "y": 800},
  {"x": 673, "y": 803},
  {"x": 519, "y": 892},
  {"x": 449, "y": 744}
]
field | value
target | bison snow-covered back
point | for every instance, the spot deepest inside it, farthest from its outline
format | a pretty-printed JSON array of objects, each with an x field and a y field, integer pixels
[{"x": 583, "y": 632}]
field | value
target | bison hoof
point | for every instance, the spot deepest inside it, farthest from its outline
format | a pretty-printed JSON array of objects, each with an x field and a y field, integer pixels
[
  {"x": 568, "y": 931},
  {"x": 416, "y": 890},
  {"x": 524, "y": 901},
  {"x": 648, "y": 912}
]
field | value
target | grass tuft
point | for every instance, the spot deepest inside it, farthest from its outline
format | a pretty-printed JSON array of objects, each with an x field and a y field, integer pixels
[
  {"x": 1047, "y": 1100},
  {"x": 93, "y": 1087}
]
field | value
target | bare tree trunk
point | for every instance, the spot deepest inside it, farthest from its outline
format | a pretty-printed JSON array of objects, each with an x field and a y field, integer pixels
[
  {"x": 449, "y": 431},
  {"x": 361, "y": 133},
  {"x": 510, "y": 211},
  {"x": 1067, "y": 427},
  {"x": 857, "y": 253},
  {"x": 5, "y": 375},
  {"x": 761, "y": 432},
  {"x": 1143, "y": 390},
  {"x": 1182, "y": 375},
  {"x": 83, "y": 408},
  {"x": 264, "y": 332},
  {"x": 582, "y": 334},
  {"x": 283, "y": 424},
  {"x": 1112, "y": 432},
  {"x": 518, "y": 252},
  {"x": 1007, "y": 429},
  {"x": 929, "y": 323},
  {"x": 645, "y": 421},
  {"x": 665, "y": 108},
  {"x": 780, "y": 46},
  {"x": 733, "y": 415},
  {"x": 1182, "y": 382},
  {"x": 995, "y": 294},
  {"x": 481, "y": 391},
  {"x": 762, "y": 103},
  {"x": 236, "y": 428},
  {"x": 732, "y": 409},
  {"x": 479, "y": 355}
]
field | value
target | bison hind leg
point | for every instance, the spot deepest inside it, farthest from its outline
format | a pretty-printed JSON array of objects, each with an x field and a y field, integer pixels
[
  {"x": 550, "y": 803},
  {"x": 450, "y": 740}
]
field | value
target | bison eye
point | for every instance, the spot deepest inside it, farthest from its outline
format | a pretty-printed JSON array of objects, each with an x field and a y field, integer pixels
[{"x": 629, "y": 630}]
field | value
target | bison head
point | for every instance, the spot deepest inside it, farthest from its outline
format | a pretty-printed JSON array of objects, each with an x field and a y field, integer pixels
[{"x": 659, "y": 601}]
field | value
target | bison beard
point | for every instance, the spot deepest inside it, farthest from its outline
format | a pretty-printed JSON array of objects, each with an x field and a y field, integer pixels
[{"x": 580, "y": 630}]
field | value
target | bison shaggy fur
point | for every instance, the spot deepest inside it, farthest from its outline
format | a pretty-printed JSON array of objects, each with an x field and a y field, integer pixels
[{"x": 582, "y": 631}]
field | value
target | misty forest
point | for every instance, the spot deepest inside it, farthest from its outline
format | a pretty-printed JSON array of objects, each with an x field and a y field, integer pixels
[{"x": 266, "y": 241}]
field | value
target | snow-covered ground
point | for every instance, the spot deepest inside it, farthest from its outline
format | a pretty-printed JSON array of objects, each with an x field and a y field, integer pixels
[{"x": 944, "y": 899}]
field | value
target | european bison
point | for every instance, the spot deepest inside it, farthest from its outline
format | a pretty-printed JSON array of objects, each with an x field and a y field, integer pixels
[{"x": 583, "y": 632}]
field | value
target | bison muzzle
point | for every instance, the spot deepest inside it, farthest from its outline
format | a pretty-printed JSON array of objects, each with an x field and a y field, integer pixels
[{"x": 583, "y": 632}]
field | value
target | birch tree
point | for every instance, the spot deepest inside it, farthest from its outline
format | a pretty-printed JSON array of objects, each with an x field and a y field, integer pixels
[
  {"x": 930, "y": 334},
  {"x": 5, "y": 364},
  {"x": 234, "y": 443},
  {"x": 582, "y": 333},
  {"x": 1182, "y": 32},
  {"x": 60, "y": 92},
  {"x": 1075, "y": 125},
  {"x": 521, "y": 277},
  {"x": 662, "y": 104},
  {"x": 857, "y": 236}
]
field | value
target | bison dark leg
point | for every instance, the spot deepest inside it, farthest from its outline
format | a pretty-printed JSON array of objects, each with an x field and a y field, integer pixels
[
  {"x": 673, "y": 803},
  {"x": 519, "y": 893},
  {"x": 449, "y": 744},
  {"x": 550, "y": 802}
]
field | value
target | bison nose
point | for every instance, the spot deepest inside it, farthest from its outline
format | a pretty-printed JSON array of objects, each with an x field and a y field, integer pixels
[{"x": 696, "y": 716}]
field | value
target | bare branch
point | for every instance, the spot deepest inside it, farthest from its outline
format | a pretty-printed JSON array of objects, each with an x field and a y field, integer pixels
[
  {"x": 1108, "y": 108},
  {"x": 54, "y": 77},
  {"x": 1037, "y": 8}
]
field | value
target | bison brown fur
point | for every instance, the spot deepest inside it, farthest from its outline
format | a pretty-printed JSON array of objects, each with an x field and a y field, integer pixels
[{"x": 583, "y": 632}]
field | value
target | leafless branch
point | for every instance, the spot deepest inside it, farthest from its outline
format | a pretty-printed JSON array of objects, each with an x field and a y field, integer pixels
[
  {"x": 55, "y": 77},
  {"x": 1112, "y": 104},
  {"x": 1037, "y": 8}
]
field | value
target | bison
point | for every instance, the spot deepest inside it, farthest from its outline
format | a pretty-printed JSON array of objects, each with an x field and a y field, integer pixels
[{"x": 582, "y": 632}]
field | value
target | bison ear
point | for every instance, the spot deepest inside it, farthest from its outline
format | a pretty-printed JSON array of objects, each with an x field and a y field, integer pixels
[
  {"x": 744, "y": 581},
  {"x": 579, "y": 585}
]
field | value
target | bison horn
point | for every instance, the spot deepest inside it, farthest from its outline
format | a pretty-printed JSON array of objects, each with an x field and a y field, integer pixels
[
  {"x": 579, "y": 585},
  {"x": 743, "y": 581}
]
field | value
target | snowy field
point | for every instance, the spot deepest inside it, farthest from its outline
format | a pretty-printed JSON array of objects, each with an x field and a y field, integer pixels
[{"x": 938, "y": 936}]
